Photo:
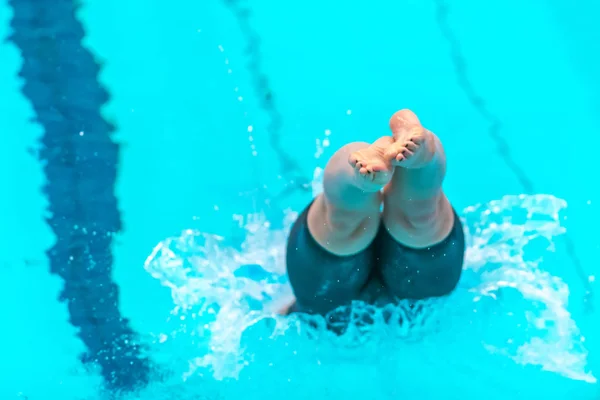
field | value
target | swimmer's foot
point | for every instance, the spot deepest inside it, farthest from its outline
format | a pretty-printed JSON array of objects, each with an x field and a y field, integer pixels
[
  {"x": 373, "y": 170},
  {"x": 414, "y": 146},
  {"x": 416, "y": 212}
]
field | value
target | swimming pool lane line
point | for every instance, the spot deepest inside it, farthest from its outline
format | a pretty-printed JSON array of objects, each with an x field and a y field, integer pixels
[
  {"x": 495, "y": 133},
  {"x": 290, "y": 169},
  {"x": 80, "y": 161}
]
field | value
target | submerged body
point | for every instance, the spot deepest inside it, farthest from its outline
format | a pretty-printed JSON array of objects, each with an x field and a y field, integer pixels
[{"x": 343, "y": 248}]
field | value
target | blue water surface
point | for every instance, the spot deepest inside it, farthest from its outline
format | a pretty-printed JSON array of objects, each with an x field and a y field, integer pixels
[{"x": 225, "y": 113}]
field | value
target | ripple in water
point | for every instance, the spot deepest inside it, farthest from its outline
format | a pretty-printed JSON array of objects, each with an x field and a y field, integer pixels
[{"x": 508, "y": 312}]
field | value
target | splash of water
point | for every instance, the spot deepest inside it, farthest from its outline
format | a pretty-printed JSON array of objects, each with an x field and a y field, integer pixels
[{"x": 507, "y": 304}]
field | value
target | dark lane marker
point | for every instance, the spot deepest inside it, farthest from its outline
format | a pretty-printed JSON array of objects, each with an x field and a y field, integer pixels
[
  {"x": 442, "y": 11},
  {"x": 80, "y": 160}
]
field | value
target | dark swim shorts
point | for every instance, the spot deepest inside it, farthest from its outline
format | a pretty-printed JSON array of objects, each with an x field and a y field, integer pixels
[{"x": 323, "y": 281}]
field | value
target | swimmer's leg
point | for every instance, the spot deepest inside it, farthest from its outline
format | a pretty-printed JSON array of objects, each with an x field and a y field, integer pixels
[
  {"x": 329, "y": 252},
  {"x": 421, "y": 246}
]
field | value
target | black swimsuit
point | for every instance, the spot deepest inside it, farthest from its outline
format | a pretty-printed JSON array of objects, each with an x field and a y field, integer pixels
[{"x": 323, "y": 281}]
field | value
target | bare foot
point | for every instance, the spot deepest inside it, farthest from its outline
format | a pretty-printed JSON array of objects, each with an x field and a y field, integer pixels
[
  {"x": 373, "y": 169},
  {"x": 414, "y": 146}
]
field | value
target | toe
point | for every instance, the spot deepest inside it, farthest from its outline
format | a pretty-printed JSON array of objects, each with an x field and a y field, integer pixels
[
  {"x": 377, "y": 167},
  {"x": 401, "y": 154},
  {"x": 412, "y": 146},
  {"x": 418, "y": 139},
  {"x": 393, "y": 151}
]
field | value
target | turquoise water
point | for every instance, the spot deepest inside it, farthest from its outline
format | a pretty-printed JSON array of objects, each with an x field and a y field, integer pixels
[{"x": 510, "y": 87}]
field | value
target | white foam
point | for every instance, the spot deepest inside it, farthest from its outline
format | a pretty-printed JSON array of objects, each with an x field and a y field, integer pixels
[{"x": 507, "y": 305}]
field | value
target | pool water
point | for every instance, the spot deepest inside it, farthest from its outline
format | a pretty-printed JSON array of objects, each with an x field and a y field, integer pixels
[{"x": 166, "y": 270}]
